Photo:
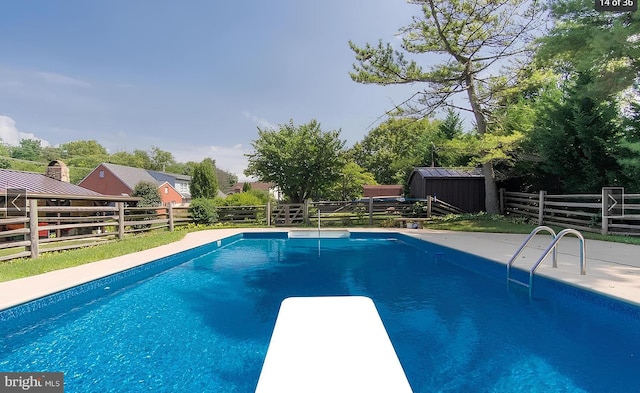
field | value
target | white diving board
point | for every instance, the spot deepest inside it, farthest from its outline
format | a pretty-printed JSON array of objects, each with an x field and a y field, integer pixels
[{"x": 330, "y": 344}]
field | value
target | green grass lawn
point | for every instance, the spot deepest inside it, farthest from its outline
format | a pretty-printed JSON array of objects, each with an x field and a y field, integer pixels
[
  {"x": 479, "y": 224},
  {"x": 24, "y": 267},
  {"x": 499, "y": 224}
]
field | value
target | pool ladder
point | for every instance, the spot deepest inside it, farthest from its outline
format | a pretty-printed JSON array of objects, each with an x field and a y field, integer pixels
[{"x": 551, "y": 248}]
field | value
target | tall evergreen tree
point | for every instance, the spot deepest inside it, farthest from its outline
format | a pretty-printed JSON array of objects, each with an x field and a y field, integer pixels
[
  {"x": 471, "y": 38},
  {"x": 577, "y": 140},
  {"x": 204, "y": 183}
]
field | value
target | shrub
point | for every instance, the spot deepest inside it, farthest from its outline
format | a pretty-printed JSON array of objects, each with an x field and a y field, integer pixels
[
  {"x": 243, "y": 199},
  {"x": 149, "y": 196},
  {"x": 148, "y": 192},
  {"x": 203, "y": 211}
]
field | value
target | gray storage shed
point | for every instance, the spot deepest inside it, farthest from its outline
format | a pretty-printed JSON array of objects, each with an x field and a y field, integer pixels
[{"x": 463, "y": 188}]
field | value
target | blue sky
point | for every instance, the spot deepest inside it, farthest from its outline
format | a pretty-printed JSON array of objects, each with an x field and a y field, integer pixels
[{"x": 193, "y": 77}]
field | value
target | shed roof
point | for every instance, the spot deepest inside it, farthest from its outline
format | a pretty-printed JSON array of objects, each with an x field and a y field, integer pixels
[
  {"x": 441, "y": 173},
  {"x": 37, "y": 183}
]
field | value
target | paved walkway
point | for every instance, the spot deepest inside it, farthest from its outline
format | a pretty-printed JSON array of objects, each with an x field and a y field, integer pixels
[{"x": 612, "y": 268}]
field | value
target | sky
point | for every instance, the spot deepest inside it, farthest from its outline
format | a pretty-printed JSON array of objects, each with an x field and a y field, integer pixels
[{"x": 194, "y": 77}]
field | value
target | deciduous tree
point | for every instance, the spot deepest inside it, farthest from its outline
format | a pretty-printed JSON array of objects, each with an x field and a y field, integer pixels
[
  {"x": 148, "y": 192},
  {"x": 85, "y": 154},
  {"x": 137, "y": 159},
  {"x": 302, "y": 161},
  {"x": 29, "y": 150},
  {"x": 392, "y": 149},
  {"x": 160, "y": 159},
  {"x": 351, "y": 183}
]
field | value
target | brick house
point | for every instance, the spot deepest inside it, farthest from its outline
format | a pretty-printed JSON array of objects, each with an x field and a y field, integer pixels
[{"x": 112, "y": 179}]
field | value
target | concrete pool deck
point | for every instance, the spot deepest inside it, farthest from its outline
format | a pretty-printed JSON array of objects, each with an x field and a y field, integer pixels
[{"x": 612, "y": 268}]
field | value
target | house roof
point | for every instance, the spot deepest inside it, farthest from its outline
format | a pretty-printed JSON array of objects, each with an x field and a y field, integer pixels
[
  {"x": 441, "y": 173},
  {"x": 37, "y": 183},
  {"x": 168, "y": 177},
  {"x": 130, "y": 176},
  {"x": 254, "y": 186}
]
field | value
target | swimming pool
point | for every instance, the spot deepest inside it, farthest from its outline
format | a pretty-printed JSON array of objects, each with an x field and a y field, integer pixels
[{"x": 201, "y": 320}]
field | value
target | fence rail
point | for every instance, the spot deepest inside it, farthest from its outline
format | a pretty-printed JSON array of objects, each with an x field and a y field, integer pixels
[
  {"x": 585, "y": 212},
  {"x": 375, "y": 212},
  {"x": 55, "y": 228}
]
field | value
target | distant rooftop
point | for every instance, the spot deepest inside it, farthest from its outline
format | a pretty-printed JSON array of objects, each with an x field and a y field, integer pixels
[{"x": 37, "y": 183}]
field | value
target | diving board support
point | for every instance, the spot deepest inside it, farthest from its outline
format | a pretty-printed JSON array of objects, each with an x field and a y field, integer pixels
[{"x": 330, "y": 344}]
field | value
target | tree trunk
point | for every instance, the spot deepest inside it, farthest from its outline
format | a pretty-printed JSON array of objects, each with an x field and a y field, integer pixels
[{"x": 490, "y": 187}]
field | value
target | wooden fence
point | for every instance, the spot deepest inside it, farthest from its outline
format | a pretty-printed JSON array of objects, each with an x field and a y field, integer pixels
[
  {"x": 374, "y": 211},
  {"x": 243, "y": 214},
  {"x": 55, "y": 228},
  {"x": 585, "y": 212}
]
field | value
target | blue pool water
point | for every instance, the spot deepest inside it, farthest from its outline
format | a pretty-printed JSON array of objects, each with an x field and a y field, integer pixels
[{"x": 201, "y": 321}]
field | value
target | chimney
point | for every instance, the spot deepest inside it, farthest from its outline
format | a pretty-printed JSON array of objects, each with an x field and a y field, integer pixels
[{"x": 58, "y": 170}]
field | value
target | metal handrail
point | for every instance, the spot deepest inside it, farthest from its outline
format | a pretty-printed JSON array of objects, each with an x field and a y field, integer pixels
[
  {"x": 552, "y": 247},
  {"x": 524, "y": 244},
  {"x": 561, "y": 234}
]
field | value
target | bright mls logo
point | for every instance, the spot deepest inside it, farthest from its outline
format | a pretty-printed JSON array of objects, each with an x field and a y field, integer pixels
[
  {"x": 32, "y": 382},
  {"x": 16, "y": 202}
]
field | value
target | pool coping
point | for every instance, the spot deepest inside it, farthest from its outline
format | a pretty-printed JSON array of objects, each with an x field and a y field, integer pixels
[{"x": 613, "y": 269}]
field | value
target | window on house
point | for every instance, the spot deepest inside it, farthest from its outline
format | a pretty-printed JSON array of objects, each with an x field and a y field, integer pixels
[
  {"x": 166, "y": 190},
  {"x": 101, "y": 174}
]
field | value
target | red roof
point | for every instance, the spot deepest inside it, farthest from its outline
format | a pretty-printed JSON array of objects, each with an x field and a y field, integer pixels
[{"x": 254, "y": 186}]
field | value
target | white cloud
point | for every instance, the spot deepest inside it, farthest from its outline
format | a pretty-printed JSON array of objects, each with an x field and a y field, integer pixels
[
  {"x": 10, "y": 134},
  {"x": 59, "y": 79},
  {"x": 260, "y": 122}
]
